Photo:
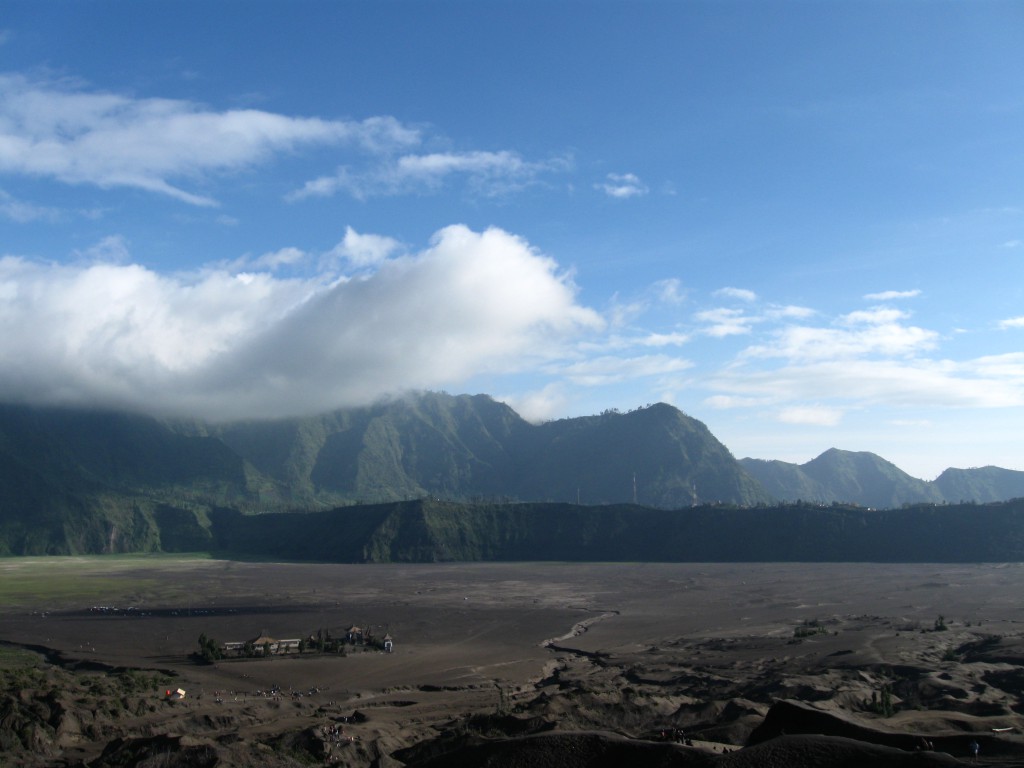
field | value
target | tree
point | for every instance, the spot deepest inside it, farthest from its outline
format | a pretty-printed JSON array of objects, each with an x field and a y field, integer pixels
[{"x": 209, "y": 649}]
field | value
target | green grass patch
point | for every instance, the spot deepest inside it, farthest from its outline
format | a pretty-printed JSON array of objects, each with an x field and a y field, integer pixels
[
  {"x": 46, "y": 582},
  {"x": 16, "y": 659}
]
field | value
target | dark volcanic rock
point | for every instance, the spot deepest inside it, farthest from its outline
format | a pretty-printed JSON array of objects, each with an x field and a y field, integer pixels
[
  {"x": 163, "y": 751},
  {"x": 570, "y": 750},
  {"x": 794, "y": 717}
]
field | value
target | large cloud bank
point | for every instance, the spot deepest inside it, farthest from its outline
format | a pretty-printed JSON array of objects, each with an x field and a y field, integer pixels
[{"x": 227, "y": 344}]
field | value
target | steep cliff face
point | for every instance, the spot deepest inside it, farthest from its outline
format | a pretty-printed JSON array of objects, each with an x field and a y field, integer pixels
[{"x": 430, "y": 531}]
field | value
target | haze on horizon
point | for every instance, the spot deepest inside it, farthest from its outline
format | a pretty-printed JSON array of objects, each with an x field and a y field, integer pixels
[{"x": 800, "y": 223}]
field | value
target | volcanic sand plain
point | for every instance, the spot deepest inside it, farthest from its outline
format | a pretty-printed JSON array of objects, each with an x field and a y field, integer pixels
[{"x": 638, "y": 649}]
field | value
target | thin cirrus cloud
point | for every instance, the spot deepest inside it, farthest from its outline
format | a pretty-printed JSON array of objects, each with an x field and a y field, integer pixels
[
  {"x": 725, "y": 321},
  {"x": 62, "y": 131},
  {"x": 879, "y": 331},
  {"x": 601, "y": 371},
  {"x": 225, "y": 345},
  {"x": 862, "y": 359},
  {"x": 22, "y": 212},
  {"x": 735, "y": 293},
  {"x": 489, "y": 173},
  {"x": 873, "y": 382},
  {"x": 890, "y": 295},
  {"x": 815, "y": 415}
]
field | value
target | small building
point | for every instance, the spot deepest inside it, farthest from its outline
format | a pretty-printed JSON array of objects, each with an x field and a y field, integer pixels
[
  {"x": 355, "y": 635},
  {"x": 176, "y": 695},
  {"x": 389, "y": 644},
  {"x": 264, "y": 644}
]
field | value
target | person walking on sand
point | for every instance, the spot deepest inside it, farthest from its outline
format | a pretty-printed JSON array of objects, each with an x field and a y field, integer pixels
[{"x": 975, "y": 748}]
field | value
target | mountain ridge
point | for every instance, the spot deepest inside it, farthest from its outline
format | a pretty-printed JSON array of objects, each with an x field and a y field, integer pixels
[
  {"x": 866, "y": 479},
  {"x": 97, "y": 481}
]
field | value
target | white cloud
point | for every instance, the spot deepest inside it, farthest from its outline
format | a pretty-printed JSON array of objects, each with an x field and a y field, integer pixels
[
  {"x": 226, "y": 345},
  {"x": 815, "y": 415},
  {"x": 722, "y": 402},
  {"x": 1012, "y": 244},
  {"x": 663, "y": 340},
  {"x": 874, "y": 316},
  {"x": 1012, "y": 322},
  {"x": 790, "y": 312},
  {"x": 364, "y": 250},
  {"x": 540, "y": 405},
  {"x": 622, "y": 185},
  {"x": 917, "y": 383},
  {"x": 890, "y": 295},
  {"x": 488, "y": 173},
  {"x": 78, "y": 137},
  {"x": 284, "y": 257},
  {"x": 669, "y": 291},
  {"x": 736, "y": 293},
  {"x": 725, "y": 322},
  {"x": 872, "y": 332},
  {"x": 112, "y": 249},
  {"x": 600, "y": 371},
  {"x": 22, "y": 212}
]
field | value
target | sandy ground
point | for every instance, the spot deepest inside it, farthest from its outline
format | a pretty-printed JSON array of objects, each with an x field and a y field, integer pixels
[{"x": 644, "y": 650}]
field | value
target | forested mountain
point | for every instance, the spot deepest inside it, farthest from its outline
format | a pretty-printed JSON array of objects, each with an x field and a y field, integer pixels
[
  {"x": 980, "y": 484},
  {"x": 466, "y": 447},
  {"x": 871, "y": 481},
  {"x": 88, "y": 481}
]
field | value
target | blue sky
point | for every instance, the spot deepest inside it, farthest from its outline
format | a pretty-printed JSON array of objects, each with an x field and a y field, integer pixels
[{"x": 800, "y": 222}]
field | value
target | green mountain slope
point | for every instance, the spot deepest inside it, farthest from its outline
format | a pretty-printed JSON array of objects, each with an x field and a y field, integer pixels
[
  {"x": 466, "y": 447},
  {"x": 981, "y": 484},
  {"x": 90, "y": 481},
  {"x": 871, "y": 481},
  {"x": 668, "y": 459},
  {"x": 867, "y": 479}
]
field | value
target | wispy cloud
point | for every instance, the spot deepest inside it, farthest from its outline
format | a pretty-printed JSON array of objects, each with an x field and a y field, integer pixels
[
  {"x": 601, "y": 371},
  {"x": 1012, "y": 322},
  {"x": 814, "y": 373},
  {"x": 816, "y": 415},
  {"x": 622, "y": 185},
  {"x": 801, "y": 342},
  {"x": 64, "y": 132},
  {"x": 736, "y": 293},
  {"x": 21, "y": 212},
  {"x": 890, "y": 295},
  {"x": 790, "y": 312},
  {"x": 725, "y": 321},
  {"x": 487, "y": 173}
]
